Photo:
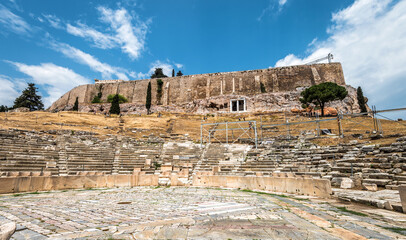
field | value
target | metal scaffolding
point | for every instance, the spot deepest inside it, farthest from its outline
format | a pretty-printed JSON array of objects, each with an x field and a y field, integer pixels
[{"x": 226, "y": 131}]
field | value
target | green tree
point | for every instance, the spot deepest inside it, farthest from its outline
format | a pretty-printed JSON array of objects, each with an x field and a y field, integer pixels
[
  {"x": 322, "y": 93},
  {"x": 178, "y": 74},
  {"x": 173, "y": 72},
  {"x": 115, "y": 105},
  {"x": 121, "y": 98},
  {"x": 158, "y": 73},
  {"x": 361, "y": 100},
  {"x": 148, "y": 100},
  {"x": 3, "y": 108},
  {"x": 97, "y": 98},
  {"x": 29, "y": 99},
  {"x": 76, "y": 105},
  {"x": 159, "y": 84}
]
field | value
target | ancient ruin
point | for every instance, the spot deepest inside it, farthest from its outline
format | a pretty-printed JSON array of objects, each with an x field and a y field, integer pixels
[
  {"x": 265, "y": 90},
  {"x": 69, "y": 175}
]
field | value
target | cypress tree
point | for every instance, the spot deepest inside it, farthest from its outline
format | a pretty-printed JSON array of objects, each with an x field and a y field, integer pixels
[
  {"x": 361, "y": 100},
  {"x": 263, "y": 90},
  {"x": 115, "y": 105},
  {"x": 76, "y": 105},
  {"x": 173, "y": 72},
  {"x": 148, "y": 100}
]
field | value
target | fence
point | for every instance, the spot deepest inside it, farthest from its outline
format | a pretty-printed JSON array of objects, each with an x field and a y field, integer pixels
[
  {"x": 229, "y": 132},
  {"x": 373, "y": 123}
]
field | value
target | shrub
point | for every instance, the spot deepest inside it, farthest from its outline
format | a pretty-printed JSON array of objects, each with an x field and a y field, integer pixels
[
  {"x": 96, "y": 99},
  {"x": 121, "y": 98}
]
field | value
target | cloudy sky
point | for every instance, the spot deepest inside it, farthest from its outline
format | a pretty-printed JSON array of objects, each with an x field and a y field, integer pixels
[{"x": 61, "y": 44}]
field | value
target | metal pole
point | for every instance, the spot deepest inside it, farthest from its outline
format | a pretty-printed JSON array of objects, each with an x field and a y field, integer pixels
[
  {"x": 227, "y": 133},
  {"x": 373, "y": 117},
  {"x": 261, "y": 130},
  {"x": 209, "y": 136},
  {"x": 256, "y": 137},
  {"x": 201, "y": 135}
]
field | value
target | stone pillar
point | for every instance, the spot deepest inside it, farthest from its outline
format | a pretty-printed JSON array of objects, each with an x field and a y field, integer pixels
[
  {"x": 240, "y": 85},
  {"x": 208, "y": 88},
  {"x": 221, "y": 87},
  {"x": 316, "y": 76},
  {"x": 257, "y": 84},
  {"x": 233, "y": 85},
  {"x": 275, "y": 83},
  {"x": 166, "y": 94}
]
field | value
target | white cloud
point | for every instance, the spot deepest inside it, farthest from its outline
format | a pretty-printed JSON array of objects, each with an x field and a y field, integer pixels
[
  {"x": 13, "y": 22},
  {"x": 273, "y": 7},
  {"x": 105, "y": 69},
  {"x": 130, "y": 37},
  {"x": 8, "y": 91},
  {"x": 53, "y": 20},
  {"x": 368, "y": 38},
  {"x": 166, "y": 67},
  {"x": 55, "y": 80},
  {"x": 282, "y": 2},
  {"x": 100, "y": 40},
  {"x": 178, "y": 65}
]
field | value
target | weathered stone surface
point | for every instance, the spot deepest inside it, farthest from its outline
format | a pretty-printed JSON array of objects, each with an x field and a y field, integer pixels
[
  {"x": 213, "y": 92},
  {"x": 347, "y": 183},
  {"x": 370, "y": 187},
  {"x": 7, "y": 230},
  {"x": 402, "y": 193}
]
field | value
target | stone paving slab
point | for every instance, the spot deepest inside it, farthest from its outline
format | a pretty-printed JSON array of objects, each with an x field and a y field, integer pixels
[{"x": 190, "y": 213}]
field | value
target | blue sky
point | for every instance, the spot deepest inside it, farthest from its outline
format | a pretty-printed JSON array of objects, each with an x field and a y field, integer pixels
[{"x": 61, "y": 44}]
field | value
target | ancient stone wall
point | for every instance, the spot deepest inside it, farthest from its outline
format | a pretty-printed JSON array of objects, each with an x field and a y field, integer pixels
[{"x": 186, "y": 89}]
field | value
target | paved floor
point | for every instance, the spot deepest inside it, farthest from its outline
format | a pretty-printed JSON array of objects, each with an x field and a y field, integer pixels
[{"x": 192, "y": 213}]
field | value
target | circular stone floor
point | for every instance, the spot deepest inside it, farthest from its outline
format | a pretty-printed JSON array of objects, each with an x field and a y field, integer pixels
[{"x": 191, "y": 213}]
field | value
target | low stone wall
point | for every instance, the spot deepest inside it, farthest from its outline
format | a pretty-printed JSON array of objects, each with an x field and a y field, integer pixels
[
  {"x": 300, "y": 186},
  {"x": 32, "y": 184}
]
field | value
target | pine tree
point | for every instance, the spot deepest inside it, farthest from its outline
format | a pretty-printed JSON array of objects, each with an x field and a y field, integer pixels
[
  {"x": 115, "y": 105},
  {"x": 148, "y": 100},
  {"x": 3, "y": 108},
  {"x": 173, "y": 72},
  {"x": 361, "y": 100},
  {"x": 158, "y": 73},
  {"x": 29, "y": 99},
  {"x": 179, "y": 74},
  {"x": 322, "y": 93}
]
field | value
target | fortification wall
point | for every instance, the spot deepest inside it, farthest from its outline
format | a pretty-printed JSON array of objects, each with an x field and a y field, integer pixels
[{"x": 185, "y": 89}]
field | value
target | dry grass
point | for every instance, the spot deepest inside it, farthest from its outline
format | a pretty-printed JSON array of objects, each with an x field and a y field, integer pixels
[{"x": 139, "y": 126}]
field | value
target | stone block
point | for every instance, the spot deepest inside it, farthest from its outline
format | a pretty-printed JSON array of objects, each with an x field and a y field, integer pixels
[
  {"x": 347, "y": 183},
  {"x": 7, "y": 230},
  {"x": 402, "y": 193},
  {"x": 370, "y": 187}
]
